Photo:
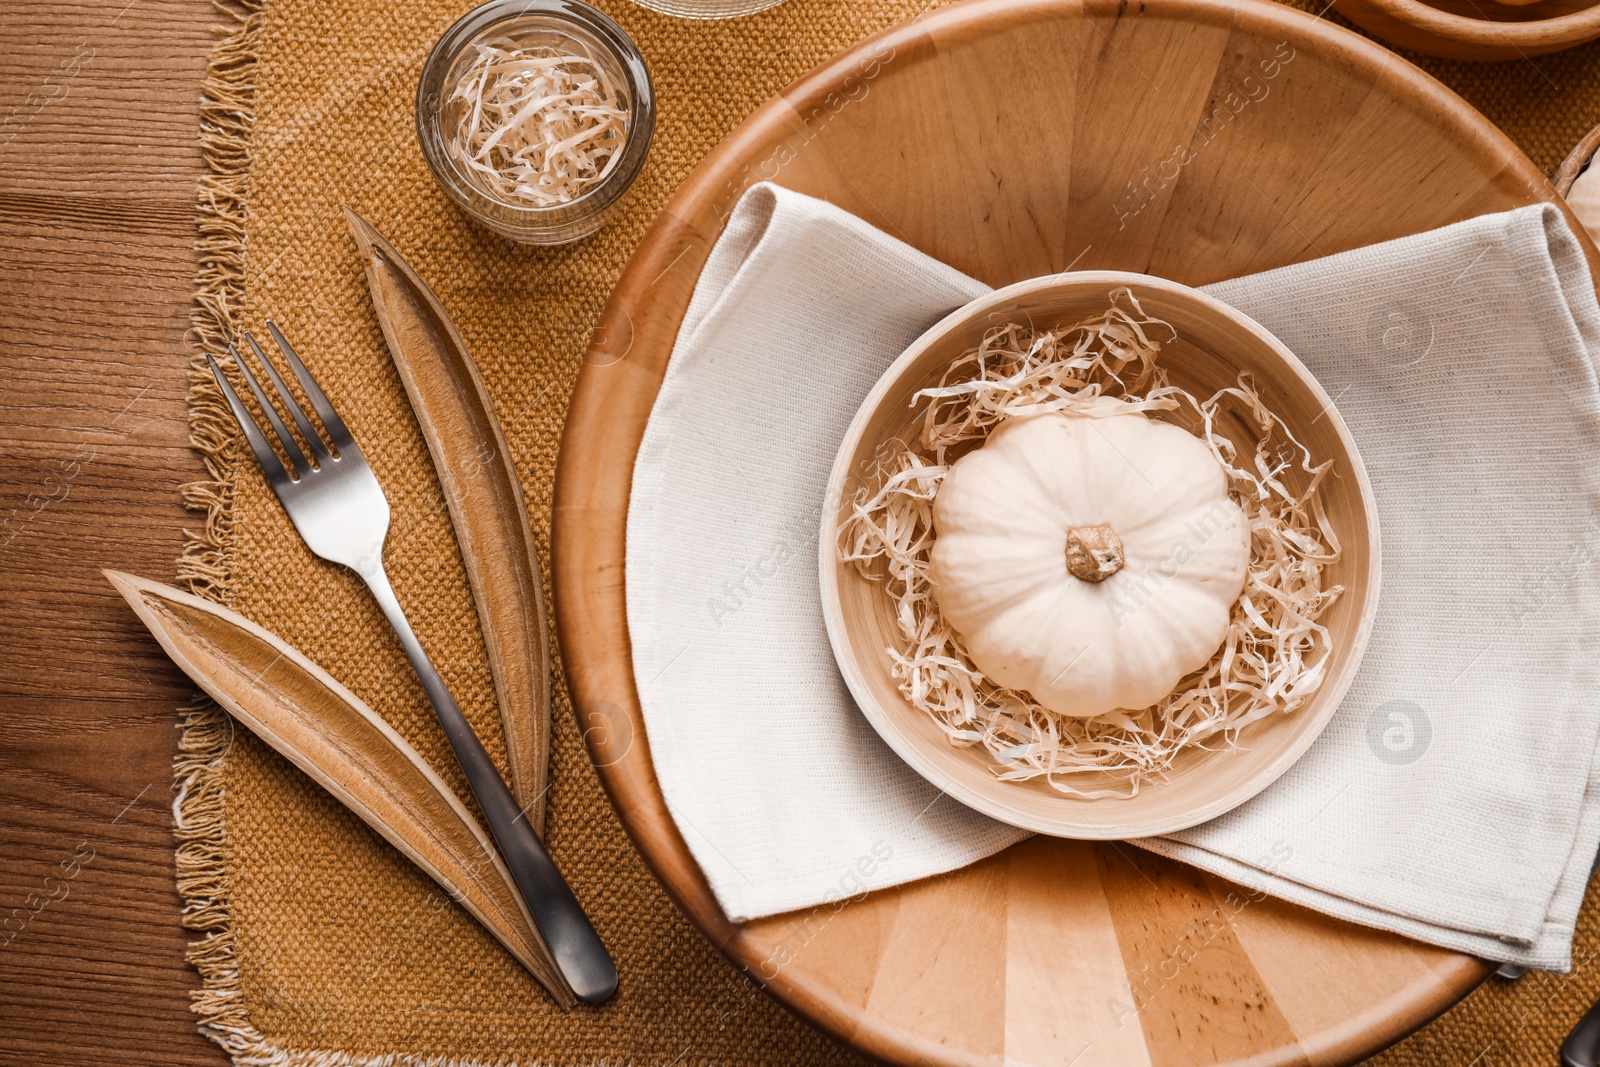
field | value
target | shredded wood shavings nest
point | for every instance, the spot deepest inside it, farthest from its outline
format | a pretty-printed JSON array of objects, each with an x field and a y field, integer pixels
[
  {"x": 538, "y": 127},
  {"x": 1274, "y": 656}
]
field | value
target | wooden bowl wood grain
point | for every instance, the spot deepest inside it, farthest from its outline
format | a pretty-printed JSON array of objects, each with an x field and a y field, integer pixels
[{"x": 1215, "y": 344}]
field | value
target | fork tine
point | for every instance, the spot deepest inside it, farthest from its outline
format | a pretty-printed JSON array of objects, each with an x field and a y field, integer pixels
[
  {"x": 313, "y": 438},
  {"x": 265, "y": 456},
  {"x": 319, "y": 400},
  {"x": 297, "y": 458}
]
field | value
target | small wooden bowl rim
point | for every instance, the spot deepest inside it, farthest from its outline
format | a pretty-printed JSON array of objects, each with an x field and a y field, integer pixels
[
  {"x": 995, "y": 798},
  {"x": 1576, "y": 160},
  {"x": 1509, "y": 38}
]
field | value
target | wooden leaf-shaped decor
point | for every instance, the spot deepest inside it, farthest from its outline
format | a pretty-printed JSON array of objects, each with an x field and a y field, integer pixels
[
  {"x": 325, "y": 730},
  {"x": 484, "y": 496}
]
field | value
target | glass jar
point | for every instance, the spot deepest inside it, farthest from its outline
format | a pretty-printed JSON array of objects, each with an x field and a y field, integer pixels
[{"x": 567, "y": 26}]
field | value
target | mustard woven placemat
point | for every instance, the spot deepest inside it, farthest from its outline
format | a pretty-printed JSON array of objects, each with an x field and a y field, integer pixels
[{"x": 320, "y": 943}]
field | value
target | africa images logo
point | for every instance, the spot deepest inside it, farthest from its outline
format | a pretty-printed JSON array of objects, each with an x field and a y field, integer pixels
[{"x": 1399, "y": 732}]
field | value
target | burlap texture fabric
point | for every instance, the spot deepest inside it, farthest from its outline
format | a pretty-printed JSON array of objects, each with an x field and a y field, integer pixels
[{"x": 320, "y": 943}]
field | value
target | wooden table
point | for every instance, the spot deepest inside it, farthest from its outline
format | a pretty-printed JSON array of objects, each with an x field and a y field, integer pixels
[{"x": 99, "y": 110}]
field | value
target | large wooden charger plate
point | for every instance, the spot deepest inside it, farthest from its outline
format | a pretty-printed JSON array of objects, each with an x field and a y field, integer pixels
[{"x": 1192, "y": 139}]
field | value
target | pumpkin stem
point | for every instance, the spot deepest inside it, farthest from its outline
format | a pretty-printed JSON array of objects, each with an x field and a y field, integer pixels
[{"x": 1094, "y": 553}]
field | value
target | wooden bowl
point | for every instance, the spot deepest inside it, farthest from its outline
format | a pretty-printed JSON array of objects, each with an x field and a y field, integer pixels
[
  {"x": 1577, "y": 161},
  {"x": 1215, "y": 344},
  {"x": 1477, "y": 29}
]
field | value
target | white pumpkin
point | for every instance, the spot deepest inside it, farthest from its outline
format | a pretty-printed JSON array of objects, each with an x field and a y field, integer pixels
[{"x": 1091, "y": 562}]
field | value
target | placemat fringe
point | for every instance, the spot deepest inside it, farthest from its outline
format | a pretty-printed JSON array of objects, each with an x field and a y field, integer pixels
[{"x": 226, "y": 117}]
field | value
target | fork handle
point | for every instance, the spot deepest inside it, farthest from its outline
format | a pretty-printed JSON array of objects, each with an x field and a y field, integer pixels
[{"x": 578, "y": 950}]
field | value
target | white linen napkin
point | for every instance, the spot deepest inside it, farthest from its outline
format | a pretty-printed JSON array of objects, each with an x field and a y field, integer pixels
[{"x": 1449, "y": 799}]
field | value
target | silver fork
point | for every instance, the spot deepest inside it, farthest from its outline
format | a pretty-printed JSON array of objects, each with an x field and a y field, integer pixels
[{"x": 339, "y": 508}]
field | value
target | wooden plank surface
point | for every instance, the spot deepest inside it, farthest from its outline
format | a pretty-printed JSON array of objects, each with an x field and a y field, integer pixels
[{"x": 99, "y": 112}]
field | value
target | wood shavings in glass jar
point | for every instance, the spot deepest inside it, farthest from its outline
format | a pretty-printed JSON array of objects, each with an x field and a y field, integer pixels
[{"x": 536, "y": 126}]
